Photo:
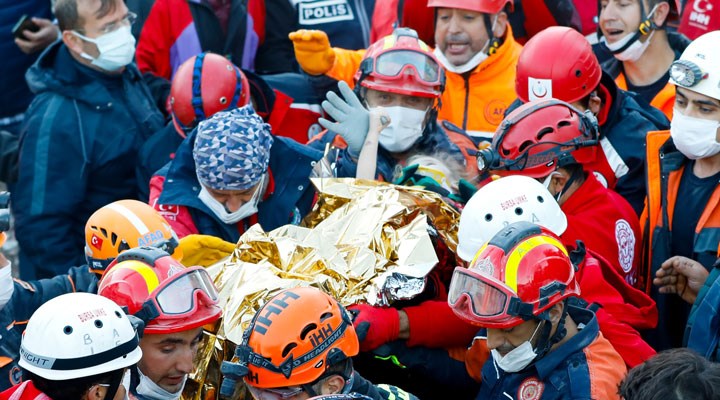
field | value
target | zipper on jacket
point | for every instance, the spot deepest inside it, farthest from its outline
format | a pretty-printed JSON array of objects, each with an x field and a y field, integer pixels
[
  {"x": 364, "y": 22},
  {"x": 467, "y": 101}
]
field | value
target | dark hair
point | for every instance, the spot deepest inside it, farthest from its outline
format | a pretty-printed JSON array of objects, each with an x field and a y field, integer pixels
[
  {"x": 677, "y": 374},
  {"x": 70, "y": 389},
  {"x": 66, "y": 12}
]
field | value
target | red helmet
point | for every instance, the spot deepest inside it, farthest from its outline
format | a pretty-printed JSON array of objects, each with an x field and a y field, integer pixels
[
  {"x": 539, "y": 137},
  {"x": 402, "y": 63},
  {"x": 159, "y": 290},
  {"x": 294, "y": 338},
  {"x": 481, "y": 6},
  {"x": 520, "y": 273},
  {"x": 558, "y": 63},
  {"x": 203, "y": 85}
]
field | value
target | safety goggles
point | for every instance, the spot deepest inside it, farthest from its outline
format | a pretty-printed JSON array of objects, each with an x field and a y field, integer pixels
[
  {"x": 178, "y": 297},
  {"x": 394, "y": 64},
  {"x": 274, "y": 393},
  {"x": 482, "y": 298},
  {"x": 686, "y": 73}
]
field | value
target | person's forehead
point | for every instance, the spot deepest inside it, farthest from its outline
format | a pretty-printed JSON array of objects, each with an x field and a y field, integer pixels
[
  {"x": 692, "y": 95},
  {"x": 88, "y": 10}
]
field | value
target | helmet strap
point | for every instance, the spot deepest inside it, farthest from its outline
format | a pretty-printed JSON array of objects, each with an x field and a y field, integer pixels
[
  {"x": 545, "y": 342},
  {"x": 114, "y": 384}
]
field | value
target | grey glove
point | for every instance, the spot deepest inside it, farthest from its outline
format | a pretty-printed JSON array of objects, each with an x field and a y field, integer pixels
[{"x": 353, "y": 119}]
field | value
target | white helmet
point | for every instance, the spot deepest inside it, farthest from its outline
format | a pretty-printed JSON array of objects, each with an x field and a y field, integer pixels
[
  {"x": 504, "y": 201},
  {"x": 698, "y": 69},
  {"x": 78, "y": 335}
]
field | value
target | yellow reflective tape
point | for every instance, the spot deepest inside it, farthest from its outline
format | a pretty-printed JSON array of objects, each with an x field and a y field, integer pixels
[
  {"x": 423, "y": 46},
  {"x": 389, "y": 42},
  {"x": 513, "y": 261},
  {"x": 151, "y": 279}
]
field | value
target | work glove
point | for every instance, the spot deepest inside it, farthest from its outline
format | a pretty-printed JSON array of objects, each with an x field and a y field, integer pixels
[
  {"x": 313, "y": 51},
  {"x": 353, "y": 120},
  {"x": 375, "y": 326},
  {"x": 204, "y": 250}
]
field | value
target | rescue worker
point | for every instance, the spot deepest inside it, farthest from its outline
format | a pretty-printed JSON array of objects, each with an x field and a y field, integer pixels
[
  {"x": 635, "y": 33},
  {"x": 519, "y": 287},
  {"x": 400, "y": 74},
  {"x": 623, "y": 311},
  {"x": 556, "y": 143},
  {"x": 76, "y": 346},
  {"x": 203, "y": 85},
  {"x": 174, "y": 302},
  {"x": 681, "y": 216},
  {"x": 299, "y": 345},
  {"x": 559, "y": 63},
  {"x": 231, "y": 173},
  {"x": 112, "y": 229},
  {"x": 475, "y": 45}
]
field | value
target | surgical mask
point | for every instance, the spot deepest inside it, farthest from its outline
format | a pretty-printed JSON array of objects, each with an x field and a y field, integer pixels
[
  {"x": 116, "y": 48},
  {"x": 150, "y": 390},
  {"x": 636, "y": 49},
  {"x": 518, "y": 358},
  {"x": 249, "y": 208},
  {"x": 471, "y": 64},
  {"x": 7, "y": 285},
  {"x": 405, "y": 128},
  {"x": 126, "y": 384},
  {"x": 694, "y": 137}
]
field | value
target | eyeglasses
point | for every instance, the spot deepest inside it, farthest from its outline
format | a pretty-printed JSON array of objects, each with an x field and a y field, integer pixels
[
  {"x": 128, "y": 20},
  {"x": 686, "y": 73},
  {"x": 274, "y": 393}
]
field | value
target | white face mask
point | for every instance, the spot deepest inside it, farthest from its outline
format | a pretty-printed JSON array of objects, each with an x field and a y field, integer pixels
[
  {"x": 405, "y": 128},
  {"x": 694, "y": 137},
  {"x": 518, "y": 358},
  {"x": 471, "y": 64},
  {"x": 246, "y": 210},
  {"x": 151, "y": 391},
  {"x": 7, "y": 285},
  {"x": 116, "y": 48}
]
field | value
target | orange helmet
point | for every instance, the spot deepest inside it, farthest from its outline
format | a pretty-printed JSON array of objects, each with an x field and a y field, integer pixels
[
  {"x": 539, "y": 137},
  {"x": 481, "y": 6},
  {"x": 294, "y": 338},
  {"x": 401, "y": 63},
  {"x": 558, "y": 63},
  {"x": 160, "y": 291},
  {"x": 203, "y": 85},
  {"x": 123, "y": 225},
  {"x": 520, "y": 273}
]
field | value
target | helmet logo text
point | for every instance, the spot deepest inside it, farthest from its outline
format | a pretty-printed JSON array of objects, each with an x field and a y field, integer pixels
[{"x": 276, "y": 306}]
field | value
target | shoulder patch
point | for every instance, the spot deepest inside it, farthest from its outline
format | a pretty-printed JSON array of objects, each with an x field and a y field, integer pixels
[
  {"x": 530, "y": 389},
  {"x": 626, "y": 244}
]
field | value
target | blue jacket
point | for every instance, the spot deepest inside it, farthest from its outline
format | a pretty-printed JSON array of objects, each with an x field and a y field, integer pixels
[
  {"x": 702, "y": 333},
  {"x": 77, "y": 153},
  {"x": 291, "y": 199},
  {"x": 28, "y": 297},
  {"x": 628, "y": 121},
  {"x": 584, "y": 367},
  {"x": 433, "y": 141}
]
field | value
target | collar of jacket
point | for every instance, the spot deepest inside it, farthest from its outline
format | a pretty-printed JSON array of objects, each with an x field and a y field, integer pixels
[
  {"x": 579, "y": 199},
  {"x": 582, "y": 339}
]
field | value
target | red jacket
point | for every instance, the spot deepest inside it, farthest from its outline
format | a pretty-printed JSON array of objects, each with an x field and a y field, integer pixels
[
  {"x": 23, "y": 391},
  {"x": 606, "y": 223}
]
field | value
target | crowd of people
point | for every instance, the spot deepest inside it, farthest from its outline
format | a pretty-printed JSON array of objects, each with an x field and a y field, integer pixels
[{"x": 578, "y": 142}]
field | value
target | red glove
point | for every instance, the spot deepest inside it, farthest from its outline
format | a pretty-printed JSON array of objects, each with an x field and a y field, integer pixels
[{"x": 375, "y": 326}]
